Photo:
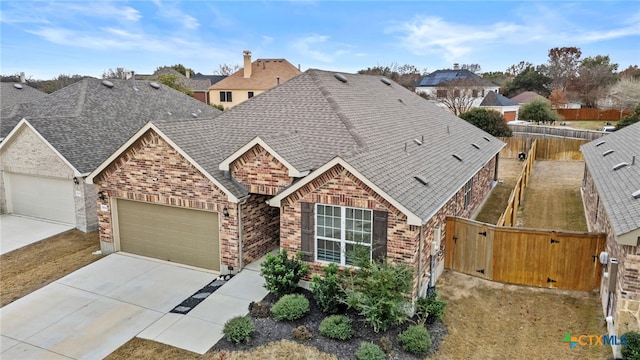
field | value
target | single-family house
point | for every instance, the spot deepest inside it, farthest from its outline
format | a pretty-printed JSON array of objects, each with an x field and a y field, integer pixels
[
  {"x": 456, "y": 85},
  {"x": 502, "y": 104},
  {"x": 611, "y": 194},
  {"x": 317, "y": 165},
  {"x": 52, "y": 144},
  {"x": 526, "y": 97},
  {"x": 198, "y": 84},
  {"x": 254, "y": 78}
]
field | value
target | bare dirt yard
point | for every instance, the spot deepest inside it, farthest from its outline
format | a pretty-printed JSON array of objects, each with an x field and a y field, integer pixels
[
  {"x": 29, "y": 268},
  {"x": 552, "y": 198},
  {"x": 508, "y": 171}
]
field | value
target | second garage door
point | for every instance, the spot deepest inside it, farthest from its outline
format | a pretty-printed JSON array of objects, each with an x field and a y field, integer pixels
[
  {"x": 169, "y": 233},
  {"x": 41, "y": 197}
]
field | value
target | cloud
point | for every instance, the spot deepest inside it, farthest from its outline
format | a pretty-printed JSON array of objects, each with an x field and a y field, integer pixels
[
  {"x": 171, "y": 11},
  {"x": 318, "y": 48},
  {"x": 266, "y": 40}
]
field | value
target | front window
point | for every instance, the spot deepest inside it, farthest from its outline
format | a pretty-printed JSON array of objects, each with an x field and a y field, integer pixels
[
  {"x": 441, "y": 94},
  {"x": 339, "y": 230},
  {"x": 250, "y": 94},
  {"x": 225, "y": 96}
]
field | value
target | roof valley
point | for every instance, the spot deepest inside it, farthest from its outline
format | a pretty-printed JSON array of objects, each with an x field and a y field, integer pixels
[{"x": 81, "y": 98}]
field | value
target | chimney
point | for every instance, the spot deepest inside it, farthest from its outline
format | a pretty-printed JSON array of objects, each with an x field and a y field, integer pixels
[
  {"x": 188, "y": 74},
  {"x": 22, "y": 80},
  {"x": 456, "y": 66},
  {"x": 247, "y": 64}
]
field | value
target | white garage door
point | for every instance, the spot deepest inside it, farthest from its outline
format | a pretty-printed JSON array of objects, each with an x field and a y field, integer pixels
[
  {"x": 41, "y": 197},
  {"x": 169, "y": 233}
]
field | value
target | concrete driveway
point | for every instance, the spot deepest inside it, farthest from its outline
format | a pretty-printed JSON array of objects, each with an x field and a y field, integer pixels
[
  {"x": 93, "y": 311},
  {"x": 18, "y": 231}
]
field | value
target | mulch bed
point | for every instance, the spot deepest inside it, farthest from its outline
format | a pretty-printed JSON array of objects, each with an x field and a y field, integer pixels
[{"x": 269, "y": 330}]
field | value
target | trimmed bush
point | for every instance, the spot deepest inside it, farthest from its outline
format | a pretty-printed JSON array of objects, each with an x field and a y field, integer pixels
[
  {"x": 238, "y": 329},
  {"x": 327, "y": 291},
  {"x": 259, "y": 309},
  {"x": 631, "y": 345},
  {"x": 430, "y": 308},
  {"x": 370, "y": 351},
  {"x": 415, "y": 339},
  {"x": 336, "y": 327},
  {"x": 282, "y": 274},
  {"x": 290, "y": 307},
  {"x": 301, "y": 333}
]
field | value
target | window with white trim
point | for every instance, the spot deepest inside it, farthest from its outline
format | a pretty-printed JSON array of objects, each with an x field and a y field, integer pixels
[{"x": 339, "y": 230}]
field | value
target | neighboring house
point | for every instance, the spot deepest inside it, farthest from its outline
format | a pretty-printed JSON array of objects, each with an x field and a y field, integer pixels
[
  {"x": 505, "y": 106},
  {"x": 53, "y": 143},
  {"x": 12, "y": 94},
  {"x": 611, "y": 193},
  {"x": 317, "y": 165},
  {"x": 456, "y": 85},
  {"x": 253, "y": 79},
  {"x": 198, "y": 84},
  {"x": 526, "y": 97}
]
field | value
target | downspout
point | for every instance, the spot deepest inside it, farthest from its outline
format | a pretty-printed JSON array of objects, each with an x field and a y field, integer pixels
[{"x": 240, "y": 260}]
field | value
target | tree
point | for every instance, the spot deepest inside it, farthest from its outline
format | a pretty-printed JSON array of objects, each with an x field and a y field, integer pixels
[
  {"x": 558, "y": 98},
  {"x": 562, "y": 66},
  {"x": 171, "y": 80},
  {"x": 625, "y": 93},
  {"x": 631, "y": 72},
  {"x": 117, "y": 73},
  {"x": 630, "y": 119},
  {"x": 530, "y": 79},
  {"x": 59, "y": 82},
  {"x": 539, "y": 110},
  {"x": 595, "y": 74},
  {"x": 406, "y": 75},
  {"x": 474, "y": 68},
  {"x": 227, "y": 69},
  {"x": 456, "y": 95},
  {"x": 498, "y": 78},
  {"x": 488, "y": 120},
  {"x": 516, "y": 69}
]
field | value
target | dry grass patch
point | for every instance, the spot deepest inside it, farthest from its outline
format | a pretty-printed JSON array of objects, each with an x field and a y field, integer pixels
[
  {"x": 589, "y": 124},
  {"x": 29, "y": 268},
  {"x": 508, "y": 171},
  {"x": 488, "y": 320}
]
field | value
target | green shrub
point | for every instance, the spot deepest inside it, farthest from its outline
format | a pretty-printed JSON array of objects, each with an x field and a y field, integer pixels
[
  {"x": 281, "y": 274},
  {"x": 631, "y": 345},
  {"x": 327, "y": 291},
  {"x": 238, "y": 329},
  {"x": 336, "y": 327},
  {"x": 369, "y": 351},
  {"x": 415, "y": 339},
  {"x": 380, "y": 293},
  {"x": 290, "y": 307},
  {"x": 259, "y": 309},
  {"x": 429, "y": 308},
  {"x": 301, "y": 333}
]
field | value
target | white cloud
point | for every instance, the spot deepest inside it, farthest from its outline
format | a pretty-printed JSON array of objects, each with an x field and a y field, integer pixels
[
  {"x": 266, "y": 40},
  {"x": 171, "y": 11},
  {"x": 318, "y": 48}
]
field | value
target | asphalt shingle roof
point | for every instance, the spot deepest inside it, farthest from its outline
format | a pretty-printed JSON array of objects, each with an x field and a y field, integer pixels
[
  {"x": 12, "y": 94},
  {"x": 526, "y": 97},
  {"x": 265, "y": 74},
  {"x": 87, "y": 121},
  {"x": 615, "y": 187},
  {"x": 440, "y": 77},
  {"x": 315, "y": 117},
  {"x": 494, "y": 99}
]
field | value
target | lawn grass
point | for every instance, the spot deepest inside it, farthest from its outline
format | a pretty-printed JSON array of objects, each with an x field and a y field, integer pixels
[{"x": 587, "y": 124}]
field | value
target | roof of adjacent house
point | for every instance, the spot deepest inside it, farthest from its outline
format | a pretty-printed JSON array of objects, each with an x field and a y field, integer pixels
[
  {"x": 374, "y": 127},
  {"x": 615, "y": 187},
  {"x": 441, "y": 77},
  {"x": 526, "y": 97},
  {"x": 265, "y": 74},
  {"x": 87, "y": 121},
  {"x": 494, "y": 99},
  {"x": 212, "y": 78},
  {"x": 17, "y": 93}
]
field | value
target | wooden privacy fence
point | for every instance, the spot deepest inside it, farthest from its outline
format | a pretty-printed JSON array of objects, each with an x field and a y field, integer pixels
[
  {"x": 546, "y": 148},
  {"x": 542, "y": 258},
  {"x": 592, "y": 114},
  {"x": 508, "y": 217},
  {"x": 562, "y": 132}
]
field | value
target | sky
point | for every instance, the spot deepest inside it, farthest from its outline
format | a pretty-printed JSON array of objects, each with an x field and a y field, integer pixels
[{"x": 47, "y": 38}]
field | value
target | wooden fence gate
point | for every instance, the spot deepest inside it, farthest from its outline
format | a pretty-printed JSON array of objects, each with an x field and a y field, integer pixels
[{"x": 542, "y": 258}]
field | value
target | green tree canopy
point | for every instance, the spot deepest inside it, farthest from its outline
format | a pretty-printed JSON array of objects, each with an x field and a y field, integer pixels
[
  {"x": 530, "y": 79},
  {"x": 171, "y": 80},
  {"x": 630, "y": 119},
  {"x": 488, "y": 120},
  {"x": 539, "y": 110}
]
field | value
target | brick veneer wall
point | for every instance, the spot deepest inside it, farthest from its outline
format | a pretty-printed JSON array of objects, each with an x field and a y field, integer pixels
[
  {"x": 260, "y": 228},
  {"x": 154, "y": 172},
  {"x": 260, "y": 172}
]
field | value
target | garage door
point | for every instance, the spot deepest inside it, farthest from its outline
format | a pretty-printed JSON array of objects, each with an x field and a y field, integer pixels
[
  {"x": 509, "y": 115},
  {"x": 41, "y": 197},
  {"x": 169, "y": 233}
]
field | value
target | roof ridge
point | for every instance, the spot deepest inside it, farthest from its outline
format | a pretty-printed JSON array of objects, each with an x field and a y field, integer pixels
[{"x": 341, "y": 115}]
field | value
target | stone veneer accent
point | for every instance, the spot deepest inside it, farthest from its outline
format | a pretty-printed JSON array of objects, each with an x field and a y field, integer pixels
[
  {"x": 154, "y": 172},
  {"x": 260, "y": 172}
]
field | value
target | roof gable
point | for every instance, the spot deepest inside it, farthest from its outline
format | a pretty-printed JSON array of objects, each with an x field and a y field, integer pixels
[
  {"x": 265, "y": 74},
  {"x": 293, "y": 172}
]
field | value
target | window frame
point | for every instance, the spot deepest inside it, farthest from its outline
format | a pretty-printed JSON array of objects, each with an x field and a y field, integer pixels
[
  {"x": 226, "y": 96},
  {"x": 250, "y": 94},
  {"x": 343, "y": 242},
  {"x": 468, "y": 193},
  {"x": 441, "y": 93}
]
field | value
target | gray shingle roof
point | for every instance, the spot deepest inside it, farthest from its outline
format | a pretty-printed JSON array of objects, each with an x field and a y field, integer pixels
[
  {"x": 494, "y": 99},
  {"x": 87, "y": 121},
  {"x": 440, "y": 77},
  {"x": 615, "y": 187},
  {"x": 314, "y": 117},
  {"x": 17, "y": 93}
]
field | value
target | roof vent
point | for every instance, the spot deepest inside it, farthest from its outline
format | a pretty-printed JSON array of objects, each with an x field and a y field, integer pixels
[
  {"x": 636, "y": 195},
  {"x": 18, "y": 86},
  {"x": 600, "y": 143},
  {"x": 457, "y": 157},
  {"x": 386, "y": 81},
  {"x": 341, "y": 77},
  {"x": 154, "y": 85},
  {"x": 107, "y": 83},
  {"x": 486, "y": 138},
  {"x": 476, "y": 146},
  {"x": 421, "y": 180},
  {"x": 620, "y": 166},
  {"x": 417, "y": 142},
  {"x": 607, "y": 152},
  {"x": 194, "y": 115}
]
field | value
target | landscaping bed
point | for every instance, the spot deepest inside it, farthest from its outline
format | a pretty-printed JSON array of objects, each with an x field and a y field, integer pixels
[{"x": 268, "y": 330}]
